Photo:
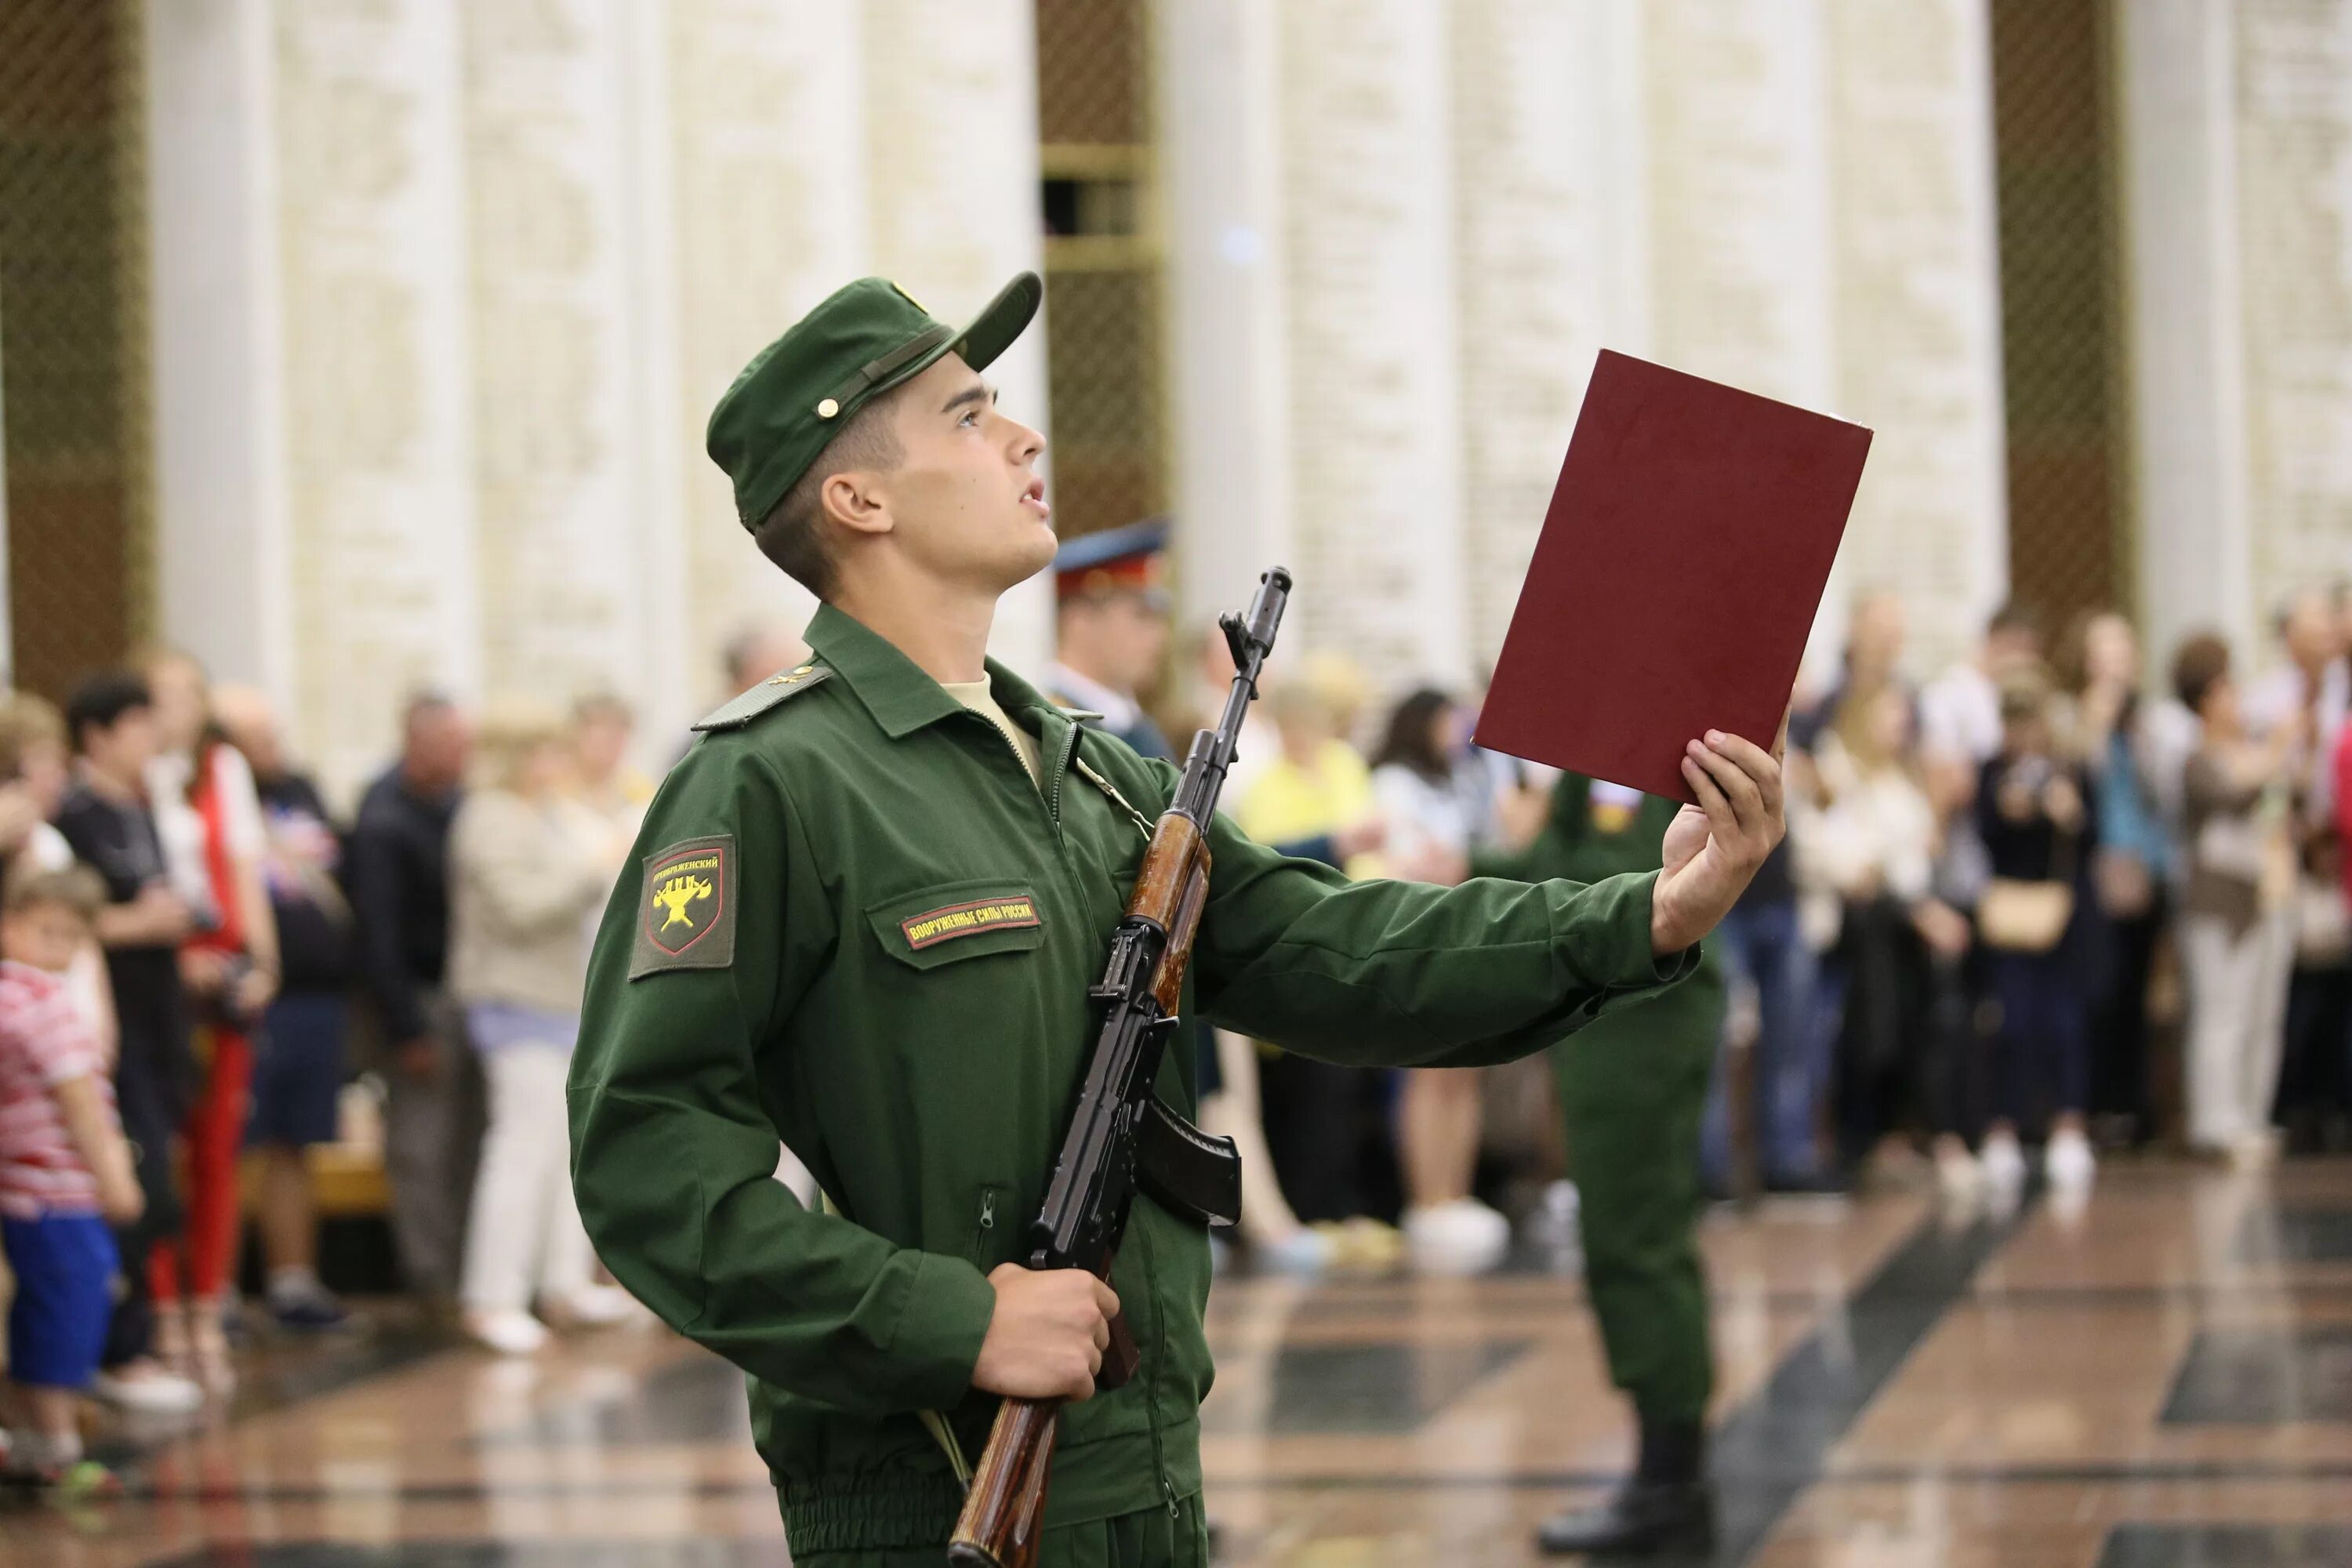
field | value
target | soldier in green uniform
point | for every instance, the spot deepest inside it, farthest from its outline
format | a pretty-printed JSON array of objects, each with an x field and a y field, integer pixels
[
  {"x": 863, "y": 917},
  {"x": 1632, "y": 1088}
]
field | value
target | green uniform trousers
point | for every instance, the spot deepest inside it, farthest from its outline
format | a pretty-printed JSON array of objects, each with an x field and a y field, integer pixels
[
  {"x": 1631, "y": 1087},
  {"x": 1152, "y": 1538}
]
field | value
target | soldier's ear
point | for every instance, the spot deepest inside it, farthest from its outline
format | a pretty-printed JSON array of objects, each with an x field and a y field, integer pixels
[{"x": 853, "y": 498}]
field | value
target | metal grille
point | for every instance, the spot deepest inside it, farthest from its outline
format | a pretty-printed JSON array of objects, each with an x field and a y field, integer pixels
[
  {"x": 1103, "y": 298},
  {"x": 73, "y": 336},
  {"x": 2062, "y": 322},
  {"x": 1092, "y": 71},
  {"x": 1103, "y": 344}
]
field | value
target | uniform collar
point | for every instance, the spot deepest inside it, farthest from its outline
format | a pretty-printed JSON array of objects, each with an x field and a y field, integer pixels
[{"x": 894, "y": 688}]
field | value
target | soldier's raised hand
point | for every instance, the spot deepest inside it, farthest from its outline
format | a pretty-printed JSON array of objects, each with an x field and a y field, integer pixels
[
  {"x": 1047, "y": 1336},
  {"x": 1713, "y": 849}
]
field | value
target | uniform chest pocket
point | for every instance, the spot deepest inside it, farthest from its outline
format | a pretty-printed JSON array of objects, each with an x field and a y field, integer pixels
[{"x": 956, "y": 920}]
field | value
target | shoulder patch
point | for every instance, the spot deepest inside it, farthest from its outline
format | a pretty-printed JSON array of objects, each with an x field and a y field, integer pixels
[
  {"x": 686, "y": 907},
  {"x": 778, "y": 687}
]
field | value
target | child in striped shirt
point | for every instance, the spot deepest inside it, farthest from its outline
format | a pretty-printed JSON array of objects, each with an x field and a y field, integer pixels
[{"x": 65, "y": 1172}]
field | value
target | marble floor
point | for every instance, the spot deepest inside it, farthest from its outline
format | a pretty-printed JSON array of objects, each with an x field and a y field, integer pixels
[{"x": 2163, "y": 1381}]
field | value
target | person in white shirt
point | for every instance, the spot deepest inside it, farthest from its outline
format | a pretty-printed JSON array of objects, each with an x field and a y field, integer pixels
[
  {"x": 1435, "y": 801},
  {"x": 209, "y": 820},
  {"x": 1960, "y": 712},
  {"x": 2314, "y": 679}
]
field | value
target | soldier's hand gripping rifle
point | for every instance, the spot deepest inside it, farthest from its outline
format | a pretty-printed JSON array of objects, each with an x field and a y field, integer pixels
[{"x": 1120, "y": 1136}]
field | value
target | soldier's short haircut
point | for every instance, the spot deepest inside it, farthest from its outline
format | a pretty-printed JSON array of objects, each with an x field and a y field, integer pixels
[{"x": 793, "y": 533}]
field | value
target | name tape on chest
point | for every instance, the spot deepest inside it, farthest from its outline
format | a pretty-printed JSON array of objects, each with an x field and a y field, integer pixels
[
  {"x": 686, "y": 907},
  {"x": 936, "y": 926}
]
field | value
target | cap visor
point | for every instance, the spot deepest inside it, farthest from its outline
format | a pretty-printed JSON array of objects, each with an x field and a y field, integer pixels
[{"x": 1006, "y": 318}]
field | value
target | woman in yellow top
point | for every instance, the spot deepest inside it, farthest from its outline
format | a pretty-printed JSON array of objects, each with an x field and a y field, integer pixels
[{"x": 1314, "y": 800}]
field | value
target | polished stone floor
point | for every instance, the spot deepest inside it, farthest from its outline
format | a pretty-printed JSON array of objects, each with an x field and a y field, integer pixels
[{"x": 2163, "y": 1381}]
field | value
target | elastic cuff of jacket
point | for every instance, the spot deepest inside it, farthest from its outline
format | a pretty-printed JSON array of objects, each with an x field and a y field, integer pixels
[
  {"x": 1620, "y": 956},
  {"x": 941, "y": 1322}
]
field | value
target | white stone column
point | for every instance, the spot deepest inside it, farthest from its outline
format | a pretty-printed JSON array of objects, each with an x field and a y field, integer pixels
[
  {"x": 754, "y": 192},
  {"x": 2294, "y": 88},
  {"x": 1220, "y": 136},
  {"x": 313, "y": 399},
  {"x": 1739, "y": 193},
  {"x": 1916, "y": 313},
  {"x": 1551, "y": 257},
  {"x": 2188, "y": 356},
  {"x": 222, "y": 506},
  {"x": 557, "y": 494},
  {"x": 378, "y": 411},
  {"x": 951, "y": 135},
  {"x": 1369, "y": 268},
  {"x": 1739, "y": 181}
]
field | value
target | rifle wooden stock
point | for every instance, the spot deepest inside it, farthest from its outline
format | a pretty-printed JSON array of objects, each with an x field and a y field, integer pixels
[{"x": 1006, "y": 1506}]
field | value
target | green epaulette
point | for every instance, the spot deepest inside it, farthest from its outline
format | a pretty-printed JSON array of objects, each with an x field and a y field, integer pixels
[{"x": 777, "y": 687}]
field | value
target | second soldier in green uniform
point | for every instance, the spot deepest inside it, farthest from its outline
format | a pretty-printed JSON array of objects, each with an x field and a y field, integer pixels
[
  {"x": 1632, "y": 1090},
  {"x": 863, "y": 917}
]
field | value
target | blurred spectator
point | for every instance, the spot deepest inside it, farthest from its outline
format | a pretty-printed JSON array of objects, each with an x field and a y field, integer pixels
[
  {"x": 1345, "y": 690},
  {"x": 2344, "y": 807},
  {"x": 209, "y": 819},
  {"x": 2099, "y": 666},
  {"x": 299, "y": 1068},
  {"x": 1313, "y": 798},
  {"x": 1959, "y": 712},
  {"x": 601, "y": 727},
  {"x": 1434, "y": 801},
  {"x": 397, "y": 876},
  {"x": 1318, "y": 1117},
  {"x": 1110, "y": 630},
  {"x": 1872, "y": 658},
  {"x": 1767, "y": 948},
  {"x": 2310, "y": 689},
  {"x": 35, "y": 769},
  {"x": 112, "y": 722},
  {"x": 2311, "y": 681},
  {"x": 1213, "y": 678},
  {"x": 529, "y": 863},
  {"x": 1873, "y": 840},
  {"x": 757, "y": 652},
  {"x": 2032, "y": 814},
  {"x": 2235, "y": 930},
  {"x": 65, "y": 1171},
  {"x": 1227, "y": 1061}
]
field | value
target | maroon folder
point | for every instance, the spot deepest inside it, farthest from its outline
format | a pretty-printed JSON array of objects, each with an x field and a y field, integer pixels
[{"x": 1677, "y": 577}]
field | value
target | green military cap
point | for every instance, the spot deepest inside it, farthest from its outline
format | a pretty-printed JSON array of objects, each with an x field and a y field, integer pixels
[{"x": 861, "y": 342}]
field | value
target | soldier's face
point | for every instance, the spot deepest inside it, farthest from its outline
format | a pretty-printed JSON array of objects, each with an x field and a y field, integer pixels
[{"x": 966, "y": 499}]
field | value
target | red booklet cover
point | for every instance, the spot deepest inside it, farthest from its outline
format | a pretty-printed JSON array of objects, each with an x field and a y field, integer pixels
[{"x": 1672, "y": 589}]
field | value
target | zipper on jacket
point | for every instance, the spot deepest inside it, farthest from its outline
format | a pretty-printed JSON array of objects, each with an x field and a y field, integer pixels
[
  {"x": 1053, "y": 805},
  {"x": 987, "y": 1223},
  {"x": 1063, "y": 755}
]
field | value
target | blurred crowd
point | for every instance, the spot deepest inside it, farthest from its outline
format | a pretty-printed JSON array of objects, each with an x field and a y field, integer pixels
[
  {"x": 2036, "y": 900},
  {"x": 206, "y": 975}
]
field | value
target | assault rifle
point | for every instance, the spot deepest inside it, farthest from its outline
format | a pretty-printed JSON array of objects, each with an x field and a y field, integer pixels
[{"x": 1120, "y": 1136}]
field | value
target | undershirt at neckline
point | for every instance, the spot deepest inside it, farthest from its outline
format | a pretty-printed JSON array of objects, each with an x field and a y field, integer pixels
[{"x": 976, "y": 696}]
